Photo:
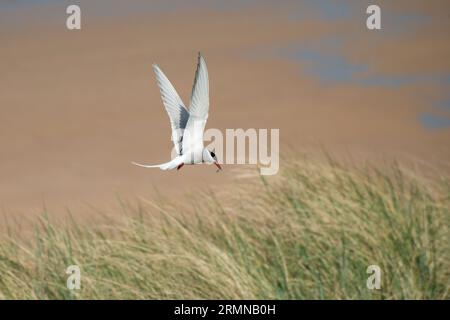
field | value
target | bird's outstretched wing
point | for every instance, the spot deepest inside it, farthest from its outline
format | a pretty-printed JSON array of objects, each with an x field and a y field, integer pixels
[
  {"x": 198, "y": 109},
  {"x": 178, "y": 113}
]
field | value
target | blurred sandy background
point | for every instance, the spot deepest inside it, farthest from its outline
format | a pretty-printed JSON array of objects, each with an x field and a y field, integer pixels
[{"x": 77, "y": 106}]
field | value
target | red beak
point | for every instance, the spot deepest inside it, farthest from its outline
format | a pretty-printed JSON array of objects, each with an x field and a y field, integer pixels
[{"x": 218, "y": 165}]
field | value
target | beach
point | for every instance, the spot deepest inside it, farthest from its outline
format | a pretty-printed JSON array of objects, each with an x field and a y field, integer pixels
[{"x": 78, "y": 106}]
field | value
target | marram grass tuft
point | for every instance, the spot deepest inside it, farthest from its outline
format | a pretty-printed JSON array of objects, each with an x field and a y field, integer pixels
[{"x": 309, "y": 233}]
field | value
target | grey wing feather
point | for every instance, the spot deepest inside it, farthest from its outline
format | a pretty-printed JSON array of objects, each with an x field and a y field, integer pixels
[
  {"x": 199, "y": 105},
  {"x": 198, "y": 109},
  {"x": 175, "y": 108}
]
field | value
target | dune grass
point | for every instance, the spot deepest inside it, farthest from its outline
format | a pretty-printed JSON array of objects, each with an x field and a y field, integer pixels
[{"x": 309, "y": 233}]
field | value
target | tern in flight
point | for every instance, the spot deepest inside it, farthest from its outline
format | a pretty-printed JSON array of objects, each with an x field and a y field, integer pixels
[{"x": 187, "y": 126}]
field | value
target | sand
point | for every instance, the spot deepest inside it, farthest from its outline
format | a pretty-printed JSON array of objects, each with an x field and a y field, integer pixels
[{"x": 76, "y": 107}]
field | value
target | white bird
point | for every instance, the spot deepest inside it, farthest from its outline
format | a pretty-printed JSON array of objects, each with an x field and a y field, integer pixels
[{"x": 187, "y": 126}]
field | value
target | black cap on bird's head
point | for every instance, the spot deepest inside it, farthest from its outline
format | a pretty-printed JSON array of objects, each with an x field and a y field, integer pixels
[{"x": 213, "y": 154}]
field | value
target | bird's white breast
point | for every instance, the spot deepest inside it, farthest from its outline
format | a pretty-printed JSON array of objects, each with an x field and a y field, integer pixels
[{"x": 194, "y": 157}]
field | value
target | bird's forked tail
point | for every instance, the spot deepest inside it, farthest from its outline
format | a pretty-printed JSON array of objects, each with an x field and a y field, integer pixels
[{"x": 163, "y": 166}]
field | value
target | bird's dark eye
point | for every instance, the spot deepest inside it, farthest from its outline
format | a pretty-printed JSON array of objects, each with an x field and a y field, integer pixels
[{"x": 213, "y": 154}]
